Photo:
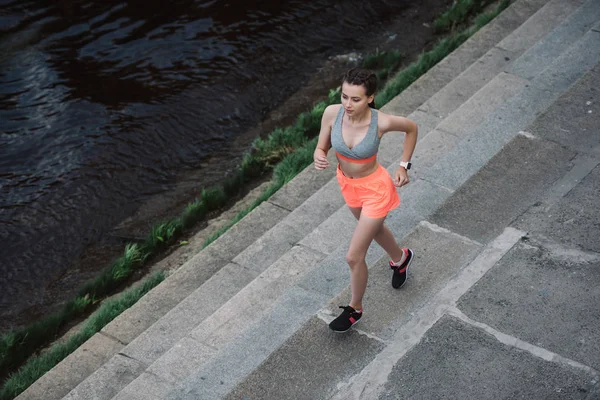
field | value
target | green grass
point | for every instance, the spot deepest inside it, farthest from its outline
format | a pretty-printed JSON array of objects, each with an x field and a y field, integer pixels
[
  {"x": 384, "y": 63},
  {"x": 38, "y": 365},
  {"x": 14, "y": 344},
  {"x": 284, "y": 153},
  {"x": 483, "y": 19},
  {"x": 458, "y": 14}
]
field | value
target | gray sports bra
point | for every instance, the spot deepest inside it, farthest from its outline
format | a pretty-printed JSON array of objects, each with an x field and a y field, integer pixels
[{"x": 365, "y": 150}]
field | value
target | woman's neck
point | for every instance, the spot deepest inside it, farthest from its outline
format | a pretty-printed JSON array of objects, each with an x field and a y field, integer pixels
[{"x": 357, "y": 119}]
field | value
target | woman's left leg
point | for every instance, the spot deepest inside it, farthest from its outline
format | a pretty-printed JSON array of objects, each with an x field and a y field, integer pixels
[
  {"x": 385, "y": 238},
  {"x": 400, "y": 258}
]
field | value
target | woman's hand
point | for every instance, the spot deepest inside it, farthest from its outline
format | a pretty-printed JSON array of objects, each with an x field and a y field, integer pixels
[
  {"x": 321, "y": 162},
  {"x": 401, "y": 177}
]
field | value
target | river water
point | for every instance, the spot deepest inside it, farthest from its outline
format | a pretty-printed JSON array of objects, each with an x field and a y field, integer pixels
[{"x": 104, "y": 103}]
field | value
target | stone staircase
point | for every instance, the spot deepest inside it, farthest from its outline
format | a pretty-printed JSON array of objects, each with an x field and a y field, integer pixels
[{"x": 247, "y": 316}]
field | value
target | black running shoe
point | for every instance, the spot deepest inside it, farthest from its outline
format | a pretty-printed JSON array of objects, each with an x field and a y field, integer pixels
[
  {"x": 347, "y": 318},
  {"x": 399, "y": 275}
]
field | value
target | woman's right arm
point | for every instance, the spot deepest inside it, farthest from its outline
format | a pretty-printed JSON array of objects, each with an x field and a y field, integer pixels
[{"x": 324, "y": 143}]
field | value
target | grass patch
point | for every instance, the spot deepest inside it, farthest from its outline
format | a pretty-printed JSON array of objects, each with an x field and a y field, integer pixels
[
  {"x": 483, "y": 19},
  {"x": 458, "y": 14},
  {"x": 38, "y": 365},
  {"x": 285, "y": 153},
  {"x": 383, "y": 63}
]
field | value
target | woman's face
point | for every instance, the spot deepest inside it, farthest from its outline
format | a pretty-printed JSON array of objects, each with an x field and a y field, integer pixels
[{"x": 354, "y": 98}]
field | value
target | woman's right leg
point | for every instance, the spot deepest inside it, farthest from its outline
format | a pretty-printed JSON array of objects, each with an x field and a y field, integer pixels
[{"x": 365, "y": 231}]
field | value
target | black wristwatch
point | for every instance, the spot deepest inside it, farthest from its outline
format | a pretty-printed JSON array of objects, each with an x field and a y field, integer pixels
[{"x": 405, "y": 164}]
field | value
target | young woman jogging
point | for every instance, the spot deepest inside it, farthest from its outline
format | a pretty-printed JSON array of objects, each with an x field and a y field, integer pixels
[{"x": 354, "y": 130}]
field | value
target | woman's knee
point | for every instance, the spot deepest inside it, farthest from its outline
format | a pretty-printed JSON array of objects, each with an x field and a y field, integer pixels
[{"x": 353, "y": 259}]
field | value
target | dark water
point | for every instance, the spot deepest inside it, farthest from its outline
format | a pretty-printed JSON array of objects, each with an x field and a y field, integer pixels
[{"x": 103, "y": 103}]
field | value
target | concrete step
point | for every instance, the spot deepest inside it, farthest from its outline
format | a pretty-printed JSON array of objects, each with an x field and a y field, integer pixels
[
  {"x": 130, "y": 324},
  {"x": 203, "y": 333},
  {"x": 367, "y": 362},
  {"x": 210, "y": 296},
  {"x": 480, "y": 143}
]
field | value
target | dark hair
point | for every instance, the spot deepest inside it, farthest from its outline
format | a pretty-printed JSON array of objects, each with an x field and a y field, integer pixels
[{"x": 364, "y": 77}]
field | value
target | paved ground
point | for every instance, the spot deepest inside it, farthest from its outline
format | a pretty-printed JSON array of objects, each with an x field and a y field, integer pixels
[{"x": 520, "y": 322}]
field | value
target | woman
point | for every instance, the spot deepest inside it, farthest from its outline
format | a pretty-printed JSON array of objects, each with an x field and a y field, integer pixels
[{"x": 354, "y": 129}]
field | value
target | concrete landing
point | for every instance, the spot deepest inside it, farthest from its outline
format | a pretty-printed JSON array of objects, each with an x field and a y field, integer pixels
[{"x": 456, "y": 360}]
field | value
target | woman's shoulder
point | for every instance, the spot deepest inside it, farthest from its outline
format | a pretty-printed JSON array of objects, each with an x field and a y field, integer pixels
[
  {"x": 332, "y": 109},
  {"x": 331, "y": 112},
  {"x": 383, "y": 120},
  {"x": 389, "y": 122}
]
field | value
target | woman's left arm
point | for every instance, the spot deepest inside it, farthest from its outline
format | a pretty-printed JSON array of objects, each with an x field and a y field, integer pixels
[{"x": 392, "y": 123}]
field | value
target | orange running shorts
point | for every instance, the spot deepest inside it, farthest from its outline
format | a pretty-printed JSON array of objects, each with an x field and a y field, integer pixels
[{"x": 375, "y": 193}]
